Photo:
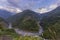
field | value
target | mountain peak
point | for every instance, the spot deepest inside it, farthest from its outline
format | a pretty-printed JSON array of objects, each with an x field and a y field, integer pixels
[{"x": 28, "y": 11}]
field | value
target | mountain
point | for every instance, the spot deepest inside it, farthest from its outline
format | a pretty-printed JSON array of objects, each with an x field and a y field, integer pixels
[
  {"x": 3, "y": 23},
  {"x": 55, "y": 12},
  {"x": 49, "y": 16},
  {"x": 26, "y": 20},
  {"x": 5, "y": 14},
  {"x": 24, "y": 13},
  {"x": 51, "y": 24}
]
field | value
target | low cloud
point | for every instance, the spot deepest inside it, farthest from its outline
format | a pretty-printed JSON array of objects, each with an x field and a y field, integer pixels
[
  {"x": 11, "y": 9},
  {"x": 53, "y": 6},
  {"x": 47, "y": 9},
  {"x": 43, "y": 10}
]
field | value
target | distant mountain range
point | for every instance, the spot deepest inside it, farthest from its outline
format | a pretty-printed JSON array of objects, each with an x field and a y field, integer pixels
[
  {"x": 8, "y": 15},
  {"x": 5, "y": 14},
  {"x": 40, "y": 17}
]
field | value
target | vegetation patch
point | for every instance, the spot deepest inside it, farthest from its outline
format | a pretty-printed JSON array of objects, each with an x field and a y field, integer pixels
[{"x": 27, "y": 24}]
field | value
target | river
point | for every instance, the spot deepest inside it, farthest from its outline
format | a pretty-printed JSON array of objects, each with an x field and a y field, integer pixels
[{"x": 23, "y": 33}]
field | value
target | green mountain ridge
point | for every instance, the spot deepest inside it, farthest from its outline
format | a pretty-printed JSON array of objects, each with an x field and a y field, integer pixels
[
  {"x": 26, "y": 20},
  {"x": 51, "y": 24}
]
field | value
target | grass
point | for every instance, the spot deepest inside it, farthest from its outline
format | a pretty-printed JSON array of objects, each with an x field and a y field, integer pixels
[
  {"x": 27, "y": 38},
  {"x": 15, "y": 36}
]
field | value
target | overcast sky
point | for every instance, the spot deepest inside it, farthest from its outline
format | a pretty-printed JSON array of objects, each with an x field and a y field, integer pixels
[{"x": 31, "y": 4}]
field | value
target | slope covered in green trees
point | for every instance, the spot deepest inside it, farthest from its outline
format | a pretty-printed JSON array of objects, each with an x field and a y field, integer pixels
[
  {"x": 26, "y": 20},
  {"x": 51, "y": 25}
]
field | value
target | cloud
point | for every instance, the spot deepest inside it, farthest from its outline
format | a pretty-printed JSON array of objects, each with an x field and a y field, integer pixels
[
  {"x": 11, "y": 9},
  {"x": 1, "y": 7},
  {"x": 3, "y": 2},
  {"x": 43, "y": 10},
  {"x": 47, "y": 9},
  {"x": 32, "y": 4},
  {"x": 58, "y": 2},
  {"x": 6, "y": 6},
  {"x": 25, "y": 4},
  {"x": 53, "y": 6},
  {"x": 18, "y": 10}
]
